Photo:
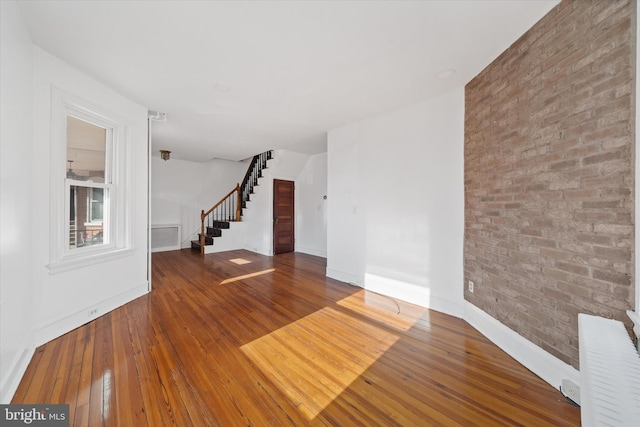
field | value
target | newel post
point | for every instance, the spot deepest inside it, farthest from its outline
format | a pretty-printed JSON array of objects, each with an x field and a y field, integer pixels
[
  {"x": 202, "y": 216},
  {"x": 238, "y": 203}
]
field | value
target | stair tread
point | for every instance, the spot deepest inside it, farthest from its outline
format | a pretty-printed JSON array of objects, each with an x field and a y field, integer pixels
[{"x": 197, "y": 242}]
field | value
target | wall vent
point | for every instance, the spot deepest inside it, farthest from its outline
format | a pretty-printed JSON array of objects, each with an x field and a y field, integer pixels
[{"x": 165, "y": 237}]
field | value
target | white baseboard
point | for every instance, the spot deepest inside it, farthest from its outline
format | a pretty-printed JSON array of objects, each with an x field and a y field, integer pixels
[
  {"x": 543, "y": 364},
  {"x": 16, "y": 372},
  {"x": 312, "y": 251},
  {"x": 260, "y": 250},
  {"x": 343, "y": 276},
  {"x": 412, "y": 293},
  {"x": 47, "y": 332}
]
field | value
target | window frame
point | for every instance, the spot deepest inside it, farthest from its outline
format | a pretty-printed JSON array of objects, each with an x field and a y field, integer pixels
[
  {"x": 117, "y": 233},
  {"x": 107, "y": 213}
]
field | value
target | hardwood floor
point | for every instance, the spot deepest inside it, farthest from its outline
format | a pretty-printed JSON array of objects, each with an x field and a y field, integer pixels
[{"x": 237, "y": 338}]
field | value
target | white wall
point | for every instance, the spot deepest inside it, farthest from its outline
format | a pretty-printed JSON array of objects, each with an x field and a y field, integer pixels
[
  {"x": 311, "y": 207},
  {"x": 346, "y": 228},
  {"x": 258, "y": 216},
  {"x": 396, "y": 203},
  {"x": 35, "y": 305},
  {"x": 64, "y": 298},
  {"x": 181, "y": 189},
  {"x": 17, "y": 232}
]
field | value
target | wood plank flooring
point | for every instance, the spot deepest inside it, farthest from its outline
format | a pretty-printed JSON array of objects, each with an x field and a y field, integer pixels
[{"x": 237, "y": 338}]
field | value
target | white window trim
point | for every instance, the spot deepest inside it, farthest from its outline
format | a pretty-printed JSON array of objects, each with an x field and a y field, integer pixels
[{"x": 120, "y": 239}]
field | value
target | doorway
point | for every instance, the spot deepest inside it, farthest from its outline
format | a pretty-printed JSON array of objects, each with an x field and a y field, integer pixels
[{"x": 283, "y": 216}]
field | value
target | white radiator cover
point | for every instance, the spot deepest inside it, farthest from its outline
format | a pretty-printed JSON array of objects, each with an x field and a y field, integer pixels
[
  {"x": 165, "y": 237},
  {"x": 609, "y": 374}
]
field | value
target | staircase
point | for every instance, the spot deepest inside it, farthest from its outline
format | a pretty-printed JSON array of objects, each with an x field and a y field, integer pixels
[{"x": 229, "y": 208}]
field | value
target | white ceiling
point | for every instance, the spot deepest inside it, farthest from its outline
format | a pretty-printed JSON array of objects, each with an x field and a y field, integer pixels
[{"x": 238, "y": 78}]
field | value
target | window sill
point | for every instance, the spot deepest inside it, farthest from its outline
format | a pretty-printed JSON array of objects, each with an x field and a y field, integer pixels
[{"x": 82, "y": 260}]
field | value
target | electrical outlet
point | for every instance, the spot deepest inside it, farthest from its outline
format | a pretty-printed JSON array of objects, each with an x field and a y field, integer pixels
[
  {"x": 471, "y": 286},
  {"x": 93, "y": 312},
  {"x": 571, "y": 390}
]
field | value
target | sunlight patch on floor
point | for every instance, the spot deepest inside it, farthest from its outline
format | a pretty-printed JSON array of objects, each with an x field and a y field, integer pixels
[
  {"x": 107, "y": 386},
  {"x": 382, "y": 308},
  {"x": 240, "y": 261},
  {"x": 246, "y": 276},
  {"x": 316, "y": 358}
]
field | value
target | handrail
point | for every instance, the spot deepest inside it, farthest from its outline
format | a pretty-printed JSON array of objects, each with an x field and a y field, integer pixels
[{"x": 237, "y": 188}]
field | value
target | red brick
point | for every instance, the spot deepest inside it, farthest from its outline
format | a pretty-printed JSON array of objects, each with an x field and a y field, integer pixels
[{"x": 617, "y": 229}]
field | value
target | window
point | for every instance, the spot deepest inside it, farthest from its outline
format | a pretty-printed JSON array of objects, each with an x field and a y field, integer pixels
[
  {"x": 88, "y": 182},
  {"x": 90, "y": 174}
]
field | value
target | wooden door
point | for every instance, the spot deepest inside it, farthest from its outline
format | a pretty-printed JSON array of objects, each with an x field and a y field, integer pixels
[{"x": 283, "y": 218}]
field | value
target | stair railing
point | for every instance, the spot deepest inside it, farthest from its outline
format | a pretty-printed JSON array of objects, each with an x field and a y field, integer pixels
[
  {"x": 254, "y": 171},
  {"x": 229, "y": 208}
]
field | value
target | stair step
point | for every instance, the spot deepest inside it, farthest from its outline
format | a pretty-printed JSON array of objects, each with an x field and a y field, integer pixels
[
  {"x": 221, "y": 224},
  {"x": 214, "y": 232},
  {"x": 208, "y": 239}
]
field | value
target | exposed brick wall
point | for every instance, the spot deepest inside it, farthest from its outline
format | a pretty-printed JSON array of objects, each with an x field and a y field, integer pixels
[{"x": 549, "y": 175}]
